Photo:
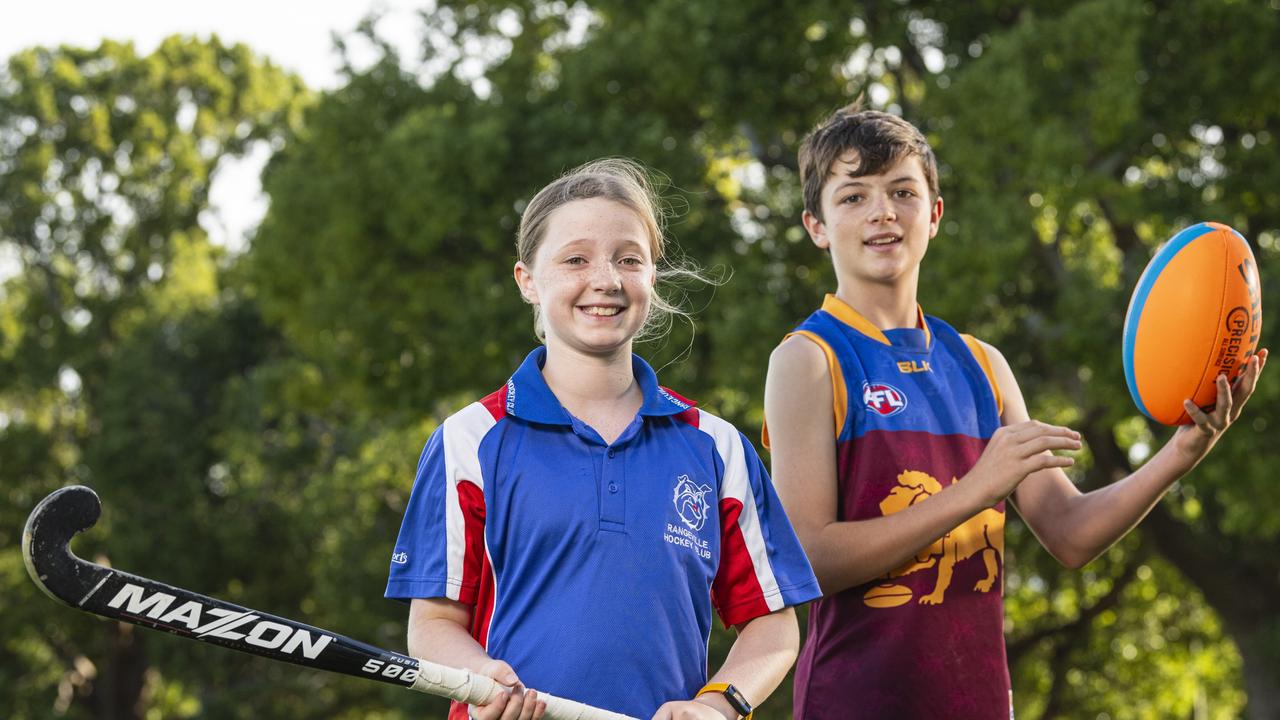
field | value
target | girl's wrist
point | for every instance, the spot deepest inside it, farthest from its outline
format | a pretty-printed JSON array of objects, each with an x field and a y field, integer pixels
[{"x": 719, "y": 703}]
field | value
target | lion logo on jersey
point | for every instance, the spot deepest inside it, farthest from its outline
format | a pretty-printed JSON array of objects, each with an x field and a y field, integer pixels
[
  {"x": 691, "y": 502},
  {"x": 980, "y": 536}
]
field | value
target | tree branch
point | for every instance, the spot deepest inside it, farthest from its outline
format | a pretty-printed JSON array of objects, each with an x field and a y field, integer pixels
[{"x": 1020, "y": 646}]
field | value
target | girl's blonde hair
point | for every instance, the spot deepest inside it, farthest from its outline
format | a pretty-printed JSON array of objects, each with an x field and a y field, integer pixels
[{"x": 627, "y": 183}]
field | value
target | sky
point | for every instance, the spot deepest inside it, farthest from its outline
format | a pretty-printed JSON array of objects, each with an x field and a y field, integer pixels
[{"x": 294, "y": 34}]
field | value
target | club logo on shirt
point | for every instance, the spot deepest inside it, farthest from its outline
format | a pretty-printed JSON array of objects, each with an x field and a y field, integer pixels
[
  {"x": 691, "y": 502},
  {"x": 882, "y": 399},
  {"x": 979, "y": 537},
  {"x": 693, "y": 508}
]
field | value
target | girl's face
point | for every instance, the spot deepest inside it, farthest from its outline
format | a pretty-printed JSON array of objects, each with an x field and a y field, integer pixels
[{"x": 592, "y": 277}]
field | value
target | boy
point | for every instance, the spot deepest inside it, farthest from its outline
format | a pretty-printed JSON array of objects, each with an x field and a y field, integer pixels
[{"x": 872, "y": 408}]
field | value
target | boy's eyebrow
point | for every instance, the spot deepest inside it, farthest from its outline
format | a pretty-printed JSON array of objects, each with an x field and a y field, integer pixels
[{"x": 853, "y": 181}]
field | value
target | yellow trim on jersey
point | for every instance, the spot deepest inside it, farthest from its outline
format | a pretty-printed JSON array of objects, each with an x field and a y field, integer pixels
[
  {"x": 980, "y": 354},
  {"x": 840, "y": 395},
  {"x": 845, "y": 313},
  {"x": 920, "y": 323}
]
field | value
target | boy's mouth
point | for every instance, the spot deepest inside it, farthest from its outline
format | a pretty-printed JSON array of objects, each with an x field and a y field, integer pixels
[{"x": 882, "y": 239}]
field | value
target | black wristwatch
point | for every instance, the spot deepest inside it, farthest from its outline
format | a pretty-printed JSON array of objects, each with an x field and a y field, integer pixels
[{"x": 736, "y": 699}]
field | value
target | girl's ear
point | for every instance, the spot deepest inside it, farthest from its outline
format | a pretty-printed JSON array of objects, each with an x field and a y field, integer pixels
[{"x": 524, "y": 281}]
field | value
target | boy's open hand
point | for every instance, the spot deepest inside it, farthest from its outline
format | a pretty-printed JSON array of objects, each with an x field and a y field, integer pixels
[
  {"x": 1016, "y": 451},
  {"x": 1195, "y": 441}
]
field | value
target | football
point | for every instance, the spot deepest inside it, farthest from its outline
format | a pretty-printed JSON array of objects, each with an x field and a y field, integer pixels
[
  {"x": 886, "y": 596},
  {"x": 1196, "y": 313}
]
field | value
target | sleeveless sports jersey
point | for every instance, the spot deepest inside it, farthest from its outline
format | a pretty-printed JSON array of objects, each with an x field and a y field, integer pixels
[{"x": 914, "y": 409}]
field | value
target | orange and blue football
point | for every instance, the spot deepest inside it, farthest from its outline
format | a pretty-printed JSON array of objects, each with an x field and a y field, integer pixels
[{"x": 1195, "y": 314}]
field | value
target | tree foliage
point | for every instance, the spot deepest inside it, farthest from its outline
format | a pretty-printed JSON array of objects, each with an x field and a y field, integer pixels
[
  {"x": 117, "y": 344},
  {"x": 262, "y": 417}
]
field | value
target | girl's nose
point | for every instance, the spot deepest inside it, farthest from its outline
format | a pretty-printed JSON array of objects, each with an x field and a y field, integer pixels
[{"x": 606, "y": 277}]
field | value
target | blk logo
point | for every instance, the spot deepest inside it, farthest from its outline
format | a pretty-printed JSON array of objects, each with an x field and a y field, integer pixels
[{"x": 882, "y": 399}]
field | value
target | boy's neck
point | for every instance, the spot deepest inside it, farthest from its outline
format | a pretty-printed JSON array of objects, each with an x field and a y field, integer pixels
[{"x": 888, "y": 307}]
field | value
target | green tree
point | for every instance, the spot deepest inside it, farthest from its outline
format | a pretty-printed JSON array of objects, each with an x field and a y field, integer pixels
[
  {"x": 1074, "y": 137},
  {"x": 265, "y": 418},
  {"x": 1074, "y": 183},
  {"x": 116, "y": 343}
]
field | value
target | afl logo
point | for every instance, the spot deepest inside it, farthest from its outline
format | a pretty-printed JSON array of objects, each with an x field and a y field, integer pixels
[
  {"x": 691, "y": 502},
  {"x": 882, "y": 399}
]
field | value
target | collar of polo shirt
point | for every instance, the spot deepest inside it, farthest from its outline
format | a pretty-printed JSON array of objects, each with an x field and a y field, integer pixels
[{"x": 529, "y": 397}]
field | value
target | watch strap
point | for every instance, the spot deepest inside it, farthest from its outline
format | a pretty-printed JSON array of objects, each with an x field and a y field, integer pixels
[{"x": 735, "y": 697}]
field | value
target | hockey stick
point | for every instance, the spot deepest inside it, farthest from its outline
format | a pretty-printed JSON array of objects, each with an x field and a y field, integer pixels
[{"x": 129, "y": 598}]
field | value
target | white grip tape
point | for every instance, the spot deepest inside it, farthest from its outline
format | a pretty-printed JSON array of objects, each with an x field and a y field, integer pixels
[{"x": 467, "y": 687}]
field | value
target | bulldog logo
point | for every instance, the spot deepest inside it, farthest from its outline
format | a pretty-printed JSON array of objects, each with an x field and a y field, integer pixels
[{"x": 691, "y": 502}]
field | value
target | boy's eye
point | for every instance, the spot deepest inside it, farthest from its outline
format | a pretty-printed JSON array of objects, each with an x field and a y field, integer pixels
[
  {"x": 904, "y": 193},
  {"x": 852, "y": 199}
]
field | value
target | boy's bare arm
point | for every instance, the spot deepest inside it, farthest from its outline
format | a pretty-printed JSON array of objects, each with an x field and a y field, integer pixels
[
  {"x": 1077, "y": 527},
  {"x": 800, "y": 415}
]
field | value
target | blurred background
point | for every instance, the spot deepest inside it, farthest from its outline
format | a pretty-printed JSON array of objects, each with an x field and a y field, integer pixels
[{"x": 237, "y": 293}]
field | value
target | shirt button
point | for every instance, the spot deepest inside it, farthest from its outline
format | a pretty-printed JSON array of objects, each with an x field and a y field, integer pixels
[
  {"x": 610, "y": 453},
  {"x": 613, "y": 487}
]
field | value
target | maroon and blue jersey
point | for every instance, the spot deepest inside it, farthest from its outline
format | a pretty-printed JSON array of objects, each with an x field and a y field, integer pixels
[
  {"x": 593, "y": 567},
  {"x": 915, "y": 407}
]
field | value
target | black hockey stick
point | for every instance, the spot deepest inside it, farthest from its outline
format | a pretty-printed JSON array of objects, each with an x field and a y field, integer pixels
[{"x": 129, "y": 598}]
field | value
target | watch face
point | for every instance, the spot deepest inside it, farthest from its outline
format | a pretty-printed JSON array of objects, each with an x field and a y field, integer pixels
[{"x": 737, "y": 700}]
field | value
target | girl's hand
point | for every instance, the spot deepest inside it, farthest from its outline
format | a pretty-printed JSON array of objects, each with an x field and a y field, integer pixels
[{"x": 514, "y": 703}]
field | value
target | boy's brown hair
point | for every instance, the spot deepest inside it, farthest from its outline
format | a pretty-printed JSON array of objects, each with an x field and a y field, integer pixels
[{"x": 879, "y": 140}]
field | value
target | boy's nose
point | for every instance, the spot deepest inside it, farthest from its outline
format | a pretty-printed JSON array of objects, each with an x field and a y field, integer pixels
[{"x": 881, "y": 209}]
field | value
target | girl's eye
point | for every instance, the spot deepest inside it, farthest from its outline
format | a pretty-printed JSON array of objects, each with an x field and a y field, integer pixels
[
  {"x": 632, "y": 261},
  {"x": 575, "y": 260}
]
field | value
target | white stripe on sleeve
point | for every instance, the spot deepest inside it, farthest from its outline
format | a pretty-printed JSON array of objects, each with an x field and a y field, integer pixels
[
  {"x": 737, "y": 484},
  {"x": 463, "y": 432}
]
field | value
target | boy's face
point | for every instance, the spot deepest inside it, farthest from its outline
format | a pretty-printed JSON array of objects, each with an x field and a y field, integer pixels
[{"x": 877, "y": 227}]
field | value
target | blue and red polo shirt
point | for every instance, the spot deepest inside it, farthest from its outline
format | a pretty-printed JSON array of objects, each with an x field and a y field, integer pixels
[{"x": 593, "y": 567}]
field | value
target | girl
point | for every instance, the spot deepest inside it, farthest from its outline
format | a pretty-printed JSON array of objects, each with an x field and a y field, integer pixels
[{"x": 572, "y": 531}]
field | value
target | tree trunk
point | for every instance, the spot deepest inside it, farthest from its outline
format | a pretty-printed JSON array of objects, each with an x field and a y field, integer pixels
[{"x": 117, "y": 695}]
